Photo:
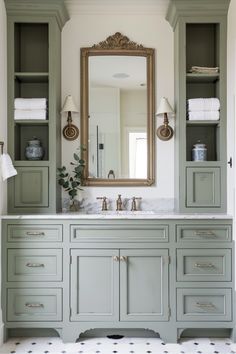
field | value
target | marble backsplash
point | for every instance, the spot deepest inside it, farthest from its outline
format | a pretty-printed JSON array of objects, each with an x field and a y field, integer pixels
[{"x": 90, "y": 206}]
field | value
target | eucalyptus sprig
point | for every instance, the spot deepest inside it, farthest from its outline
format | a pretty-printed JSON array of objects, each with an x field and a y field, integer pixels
[{"x": 72, "y": 182}]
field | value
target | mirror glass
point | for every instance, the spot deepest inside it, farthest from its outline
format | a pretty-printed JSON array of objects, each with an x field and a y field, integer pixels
[{"x": 117, "y": 116}]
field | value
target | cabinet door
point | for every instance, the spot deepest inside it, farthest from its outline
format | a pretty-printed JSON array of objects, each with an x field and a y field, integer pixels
[
  {"x": 203, "y": 187},
  {"x": 144, "y": 285},
  {"x": 95, "y": 285},
  {"x": 31, "y": 187}
]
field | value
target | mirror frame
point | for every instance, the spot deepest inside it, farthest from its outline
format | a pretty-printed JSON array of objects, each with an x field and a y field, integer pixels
[{"x": 118, "y": 44}]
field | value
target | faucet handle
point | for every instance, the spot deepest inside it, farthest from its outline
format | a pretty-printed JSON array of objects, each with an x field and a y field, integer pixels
[
  {"x": 104, "y": 202},
  {"x": 119, "y": 203},
  {"x": 134, "y": 205}
]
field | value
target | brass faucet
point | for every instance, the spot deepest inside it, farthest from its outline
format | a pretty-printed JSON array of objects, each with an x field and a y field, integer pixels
[
  {"x": 134, "y": 204},
  {"x": 104, "y": 203},
  {"x": 119, "y": 203}
]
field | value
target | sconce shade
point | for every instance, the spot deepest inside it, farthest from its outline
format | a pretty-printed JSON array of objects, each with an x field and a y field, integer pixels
[
  {"x": 69, "y": 105},
  {"x": 164, "y": 107}
]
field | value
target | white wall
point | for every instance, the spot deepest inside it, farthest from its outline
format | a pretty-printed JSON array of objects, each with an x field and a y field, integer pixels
[
  {"x": 148, "y": 28},
  {"x": 3, "y": 113}
]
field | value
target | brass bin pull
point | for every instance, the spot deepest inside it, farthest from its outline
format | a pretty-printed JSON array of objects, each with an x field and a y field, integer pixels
[
  {"x": 35, "y": 265},
  {"x": 33, "y": 305},
  {"x": 207, "y": 233},
  {"x": 205, "y": 305},
  {"x": 204, "y": 265},
  {"x": 35, "y": 233}
]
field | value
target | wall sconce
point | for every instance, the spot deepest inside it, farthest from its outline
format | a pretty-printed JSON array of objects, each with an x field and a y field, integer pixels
[
  {"x": 165, "y": 132},
  {"x": 70, "y": 131}
]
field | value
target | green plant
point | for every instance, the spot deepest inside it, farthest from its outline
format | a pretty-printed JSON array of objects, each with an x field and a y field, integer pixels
[{"x": 71, "y": 182}]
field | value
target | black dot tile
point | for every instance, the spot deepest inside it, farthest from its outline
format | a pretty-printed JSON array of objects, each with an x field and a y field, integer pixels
[
  {"x": 17, "y": 343},
  {"x": 131, "y": 343},
  {"x": 13, "y": 351},
  {"x": 196, "y": 343},
  {"x": 148, "y": 351},
  {"x": 131, "y": 351},
  {"x": 30, "y": 351},
  {"x": 98, "y": 343},
  {"x": 212, "y": 343},
  {"x": 147, "y": 343},
  {"x": 33, "y": 343},
  {"x": 115, "y": 343},
  {"x": 98, "y": 351}
]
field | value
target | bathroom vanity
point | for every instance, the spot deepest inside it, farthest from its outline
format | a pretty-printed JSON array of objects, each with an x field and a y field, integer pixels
[{"x": 76, "y": 272}]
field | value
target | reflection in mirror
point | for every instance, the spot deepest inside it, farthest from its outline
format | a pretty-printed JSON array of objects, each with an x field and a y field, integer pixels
[{"x": 117, "y": 114}]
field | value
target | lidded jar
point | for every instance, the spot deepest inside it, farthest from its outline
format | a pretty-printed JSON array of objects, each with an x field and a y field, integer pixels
[
  {"x": 199, "y": 152},
  {"x": 34, "y": 150}
]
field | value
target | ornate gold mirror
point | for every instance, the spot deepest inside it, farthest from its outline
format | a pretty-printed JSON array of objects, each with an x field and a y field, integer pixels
[{"x": 117, "y": 112}]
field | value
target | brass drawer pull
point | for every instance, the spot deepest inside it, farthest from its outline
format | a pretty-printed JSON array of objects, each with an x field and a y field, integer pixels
[
  {"x": 116, "y": 258},
  {"x": 205, "y": 233},
  {"x": 35, "y": 265},
  {"x": 33, "y": 305},
  {"x": 35, "y": 233},
  {"x": 204, "y": 265},
  {"x": 123, "y": 258},
  {"x": 205, "y": 305}
]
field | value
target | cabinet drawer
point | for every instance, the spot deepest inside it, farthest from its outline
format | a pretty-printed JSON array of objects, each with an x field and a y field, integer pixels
[
  {"x": 204, "y": 304},
  {"x": 119, "y": 233},
  {"x": 34, "y": 233},
  {"x": 204, "y": 233},
  {"x": 34, "y": 265},
  {"x": 203, "y": 265},
  {"x": 34, "y": 305}
]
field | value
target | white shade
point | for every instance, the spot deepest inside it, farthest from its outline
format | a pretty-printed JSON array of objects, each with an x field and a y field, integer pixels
[
  {"x": 69, "y": 105},
  {"x": 164, "y": 107}
]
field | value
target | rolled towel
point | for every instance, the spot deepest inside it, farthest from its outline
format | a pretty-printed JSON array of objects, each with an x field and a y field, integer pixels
[
  {"x": 30, "y": 114},
  {"x": 203, "y": 104},
  {"x": 30, "y": 103},
  {"x": 7, "y": 168},
  {"x": 204, "y": 115}
]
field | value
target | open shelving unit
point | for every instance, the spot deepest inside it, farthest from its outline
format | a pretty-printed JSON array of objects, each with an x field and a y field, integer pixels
[
  {"x": 34, "y": 51},
  {"x": 200, "y": 32}
]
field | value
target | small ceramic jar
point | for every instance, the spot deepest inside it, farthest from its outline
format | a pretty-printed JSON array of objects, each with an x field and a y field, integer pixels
[
  {"x": 34, "y": 150},
  {"x": 199, "y": 152}
]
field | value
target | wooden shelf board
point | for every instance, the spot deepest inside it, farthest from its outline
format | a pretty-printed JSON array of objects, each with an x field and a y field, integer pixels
[
  {"x": 190, "y": 77},
  {"x": 31, "y": 121},
  {"x": 31, "y": 77},
  {"x": 202, "y": 122}
]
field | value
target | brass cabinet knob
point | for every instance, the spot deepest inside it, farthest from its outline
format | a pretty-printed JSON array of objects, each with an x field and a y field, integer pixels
[
  {"x": 123, "y": 258},
  {"x": 116, "y": 258}
]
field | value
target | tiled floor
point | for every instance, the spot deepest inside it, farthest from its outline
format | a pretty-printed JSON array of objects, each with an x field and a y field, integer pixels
[{"x": 121, "y": 346}]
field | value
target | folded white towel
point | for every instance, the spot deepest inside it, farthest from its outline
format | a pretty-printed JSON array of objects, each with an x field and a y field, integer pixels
[
  {"x": 30, "y": 103},
  {"x": 7, "y": 168},
  {"x": 203, "y": 104},
  {"x": 30, "y": 114},
  {"x": 204, "y": 69},
  {"x": 204, "y": 115}
]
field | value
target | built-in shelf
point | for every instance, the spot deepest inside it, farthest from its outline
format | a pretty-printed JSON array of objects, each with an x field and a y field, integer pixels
[
  {"x": 31, "y": 77},
  {"x": 203, "y": 122},
  {"x": 201, "y": 78},
  {"x": 31, "y": 121}
]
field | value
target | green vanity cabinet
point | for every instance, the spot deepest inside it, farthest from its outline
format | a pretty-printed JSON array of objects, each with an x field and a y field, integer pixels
[
  {"x": 34, "y": 71},
  {"x": 73, "y": 273},
  {"x": 200, "y": 39}
]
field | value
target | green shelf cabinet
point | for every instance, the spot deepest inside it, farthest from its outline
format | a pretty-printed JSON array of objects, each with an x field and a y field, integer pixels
[
  {"x": 200, "y": 38},
  {"x": 34, "y": 71}
]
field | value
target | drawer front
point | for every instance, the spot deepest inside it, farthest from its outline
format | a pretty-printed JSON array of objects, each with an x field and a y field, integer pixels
[
  {"x": 34, "y": 233},
  {"x": 34, "y": 265},
  {"x": 203, "y": 265},
  {"x": 204, "y": 304},
  {"x": 34, "y": 305},
  {"x": 204, "y": 233},
  {"x": 117, "y": 233}
]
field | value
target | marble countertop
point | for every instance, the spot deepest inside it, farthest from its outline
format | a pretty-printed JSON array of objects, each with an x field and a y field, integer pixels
[{"x": 117, "y": 215}]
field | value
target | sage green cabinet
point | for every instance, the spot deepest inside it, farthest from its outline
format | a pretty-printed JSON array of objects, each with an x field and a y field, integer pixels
[
  {"x": 200, "y": 39},
  {"x": 94, "y": 285},
  {"x": 119, "y": 285},
  {"x": 75, "y": 274},
  {"x": 144, "y": 285},
  {"x": 30, "y": 188},
  {"x": 34, "y": 69},
  {"x": 203, "y": 187}
]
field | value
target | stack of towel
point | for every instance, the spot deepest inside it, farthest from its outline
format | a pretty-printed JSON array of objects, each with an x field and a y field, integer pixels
[
  {"x": 203, "y": 109},
  {"x": 204, "y": 70},
  {"x": 30, "y": 108}
]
